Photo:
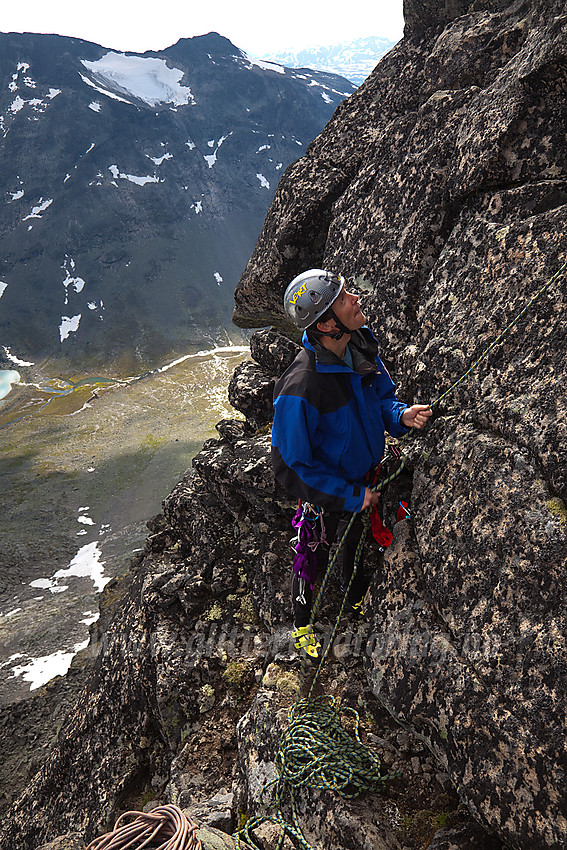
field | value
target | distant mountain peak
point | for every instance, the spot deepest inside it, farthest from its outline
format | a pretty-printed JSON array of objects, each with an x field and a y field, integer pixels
[
  {"x": 135, "y": 187},
  {"x": 354, "y": 60}
]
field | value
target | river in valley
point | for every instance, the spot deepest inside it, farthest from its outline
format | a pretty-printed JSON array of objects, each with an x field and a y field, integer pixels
[{"x": 84, "y": 463}]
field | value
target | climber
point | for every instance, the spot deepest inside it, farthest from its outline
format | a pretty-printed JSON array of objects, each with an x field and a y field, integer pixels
[{"x": 331, "y": 408}]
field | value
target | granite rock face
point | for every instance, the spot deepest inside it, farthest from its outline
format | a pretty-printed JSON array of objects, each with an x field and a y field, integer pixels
[{"x": 439, "y": 189}]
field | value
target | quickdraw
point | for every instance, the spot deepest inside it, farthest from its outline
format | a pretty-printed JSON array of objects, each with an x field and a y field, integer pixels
[{"x": 310, "y": 535}]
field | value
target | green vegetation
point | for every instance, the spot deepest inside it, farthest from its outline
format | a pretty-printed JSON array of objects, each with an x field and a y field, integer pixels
[
  {"x": 421, "y": 826},
  {"x": 246, "y": 614},
  {"x": 284, "y": 681},
  {"x": 153, "y": 443},
  {"x": 214, "y": 613},
  {"x": 206, "y": 698},
  {"x": 558, "y": 508},
  {"x": 237, "y": 675}
]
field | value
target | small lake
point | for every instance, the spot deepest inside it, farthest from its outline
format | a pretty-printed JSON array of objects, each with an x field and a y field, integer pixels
[
  {"x": 7, "y": 378},
  {"x": 85, "y": 461}
]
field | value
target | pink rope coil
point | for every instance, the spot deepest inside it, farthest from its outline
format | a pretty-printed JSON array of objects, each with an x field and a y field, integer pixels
[{"x": 164, "y": 823}]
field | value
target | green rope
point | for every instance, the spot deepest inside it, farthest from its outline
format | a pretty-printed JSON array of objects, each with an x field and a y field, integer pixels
[
  {"x": 316, "y": 750},
  {"x": 498, "y": 339}
]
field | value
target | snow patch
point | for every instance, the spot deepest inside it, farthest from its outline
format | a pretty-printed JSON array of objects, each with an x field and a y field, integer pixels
[
  {"x": 76, "y": 282},
  {"x": 53, "y": 93},
  {"x": 95, "y": 106},
  {"x": 17, "y": 104},
  {"x": 103, "y": 91},
  {"x": 2, "y": 287},
  {"x": 14, "y": 359},
  {"x": 41, "y": 670},
  {"x": 69, "y": 324},
  {"x": 87, "y": 564},
  {"x": 17, "y": 195},
  {"x": 218, "y": 278},
  {"x": 263, "y": 182},
  {"x": 39, "y": 209},
  {"x": 213, "y": 157},
  {"x": 91, "y": 617},
  {"x": 266, "y": 66},
  {"x": 133, "y": 178},
  {"x": 157, "y": 160},
  {"x": 145, "y": 78}
]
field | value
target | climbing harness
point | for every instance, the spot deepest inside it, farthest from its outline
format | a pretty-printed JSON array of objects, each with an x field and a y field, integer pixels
[
  {"x": 313, "y": 751},
  {"x": 135, "y": 830},
  {"x": 310, "y": 526}
]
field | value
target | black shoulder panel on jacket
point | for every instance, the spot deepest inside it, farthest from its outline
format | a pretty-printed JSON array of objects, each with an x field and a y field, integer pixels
[{"x": 325, "y": 391}]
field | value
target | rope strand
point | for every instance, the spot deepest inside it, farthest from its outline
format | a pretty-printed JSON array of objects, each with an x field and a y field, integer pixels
[{"x": 164, "y": 822}]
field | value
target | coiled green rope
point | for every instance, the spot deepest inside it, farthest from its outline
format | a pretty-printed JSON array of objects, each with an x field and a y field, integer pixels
[{"x": 316, "y": 751}]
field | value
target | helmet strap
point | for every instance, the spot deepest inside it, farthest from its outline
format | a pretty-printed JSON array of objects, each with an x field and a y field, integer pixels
[{"x": 341, "y": 328}]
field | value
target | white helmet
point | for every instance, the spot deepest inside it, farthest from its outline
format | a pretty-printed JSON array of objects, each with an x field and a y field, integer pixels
[{"x": 310, "y": 294}]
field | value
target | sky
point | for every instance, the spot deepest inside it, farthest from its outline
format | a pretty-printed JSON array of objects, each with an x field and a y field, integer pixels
[{"x": 255, "y": 26}]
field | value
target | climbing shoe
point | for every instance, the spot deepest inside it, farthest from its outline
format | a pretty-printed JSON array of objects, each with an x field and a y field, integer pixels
[
  {"x": 357, "y": 609},
  {"x": 306, "y": 642}
]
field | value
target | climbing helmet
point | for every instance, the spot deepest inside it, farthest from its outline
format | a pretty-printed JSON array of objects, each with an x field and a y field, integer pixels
[{"x": 310, "y": 294}]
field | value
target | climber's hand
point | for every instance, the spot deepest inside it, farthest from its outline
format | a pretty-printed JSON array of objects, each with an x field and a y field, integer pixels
[
  {"x": 416, "y": 416},
  {"x": 370, "y": 499}
]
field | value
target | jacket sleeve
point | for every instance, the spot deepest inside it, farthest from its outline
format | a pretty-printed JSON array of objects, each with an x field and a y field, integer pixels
[
  {"x": 392, "y": 409},
  {"x": 295, "y": 422}
]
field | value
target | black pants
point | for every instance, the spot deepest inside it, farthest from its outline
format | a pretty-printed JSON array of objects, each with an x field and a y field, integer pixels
[{"x": 335, "y": 525}]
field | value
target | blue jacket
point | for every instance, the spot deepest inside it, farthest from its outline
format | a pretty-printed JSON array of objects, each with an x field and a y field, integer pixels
[{"x": 329, "y": 422}]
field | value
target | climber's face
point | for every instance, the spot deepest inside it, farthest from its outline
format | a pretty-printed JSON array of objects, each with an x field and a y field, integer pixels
[{"x": 348, "y": 310}]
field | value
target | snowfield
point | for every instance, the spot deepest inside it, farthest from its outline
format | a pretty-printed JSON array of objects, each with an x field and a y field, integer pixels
[{"x": 144, "y": 78}]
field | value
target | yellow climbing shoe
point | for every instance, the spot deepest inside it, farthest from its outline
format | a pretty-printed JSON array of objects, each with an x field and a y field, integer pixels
[
  {"x": 305, "y": 641},
  {"x": 357, "y": 608}
]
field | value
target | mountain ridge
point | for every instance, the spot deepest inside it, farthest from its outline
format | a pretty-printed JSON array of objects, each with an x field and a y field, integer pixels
[
  {"x": 354, "y": 59},
  {"x": 136, "y": 185}
]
